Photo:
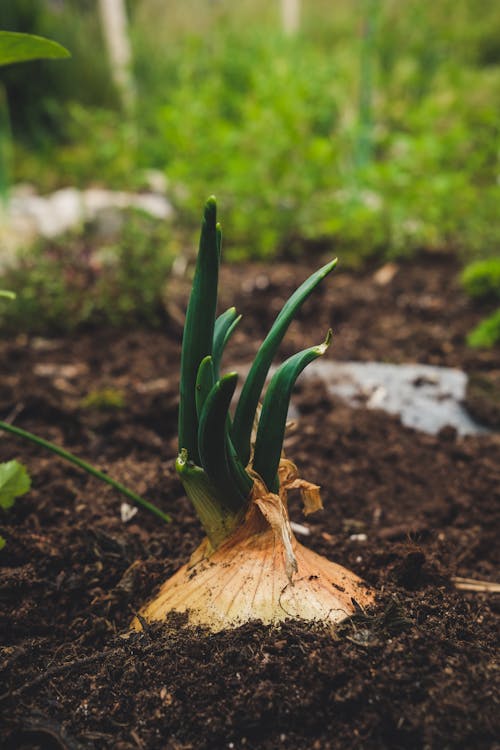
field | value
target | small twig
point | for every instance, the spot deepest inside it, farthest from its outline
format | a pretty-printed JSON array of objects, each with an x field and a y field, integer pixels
[
  {"x": 471, "y": 584},
  {"x": 136, "y": 739}
]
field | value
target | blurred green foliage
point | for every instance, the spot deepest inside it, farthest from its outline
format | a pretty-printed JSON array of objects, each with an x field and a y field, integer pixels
[
  {"x": 486, "y": 334},
  {"x": 84, "y": 280},
  {"x": 104, "y": 399},
  {"x": 37, "y": 98},
  {"x": 481, "y": 280},
  {"x": 274, "y": 127}
]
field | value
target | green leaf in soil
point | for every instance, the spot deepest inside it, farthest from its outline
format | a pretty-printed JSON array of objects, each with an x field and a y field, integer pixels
[{"x": 14, "y": 482}]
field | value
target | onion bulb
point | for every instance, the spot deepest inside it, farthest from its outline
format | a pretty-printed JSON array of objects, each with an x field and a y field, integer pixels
[{"x": 261, "y": 572}]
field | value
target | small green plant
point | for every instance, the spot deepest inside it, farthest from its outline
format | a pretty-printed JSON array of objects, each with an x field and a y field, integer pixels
[
  {"x": 481, "y": 281},
  {"x": 82, "y": 280},
  {"x": 14, "y": 482},
  {"x": 233, "y": 471},
  {"x": 486, "y": 334}
]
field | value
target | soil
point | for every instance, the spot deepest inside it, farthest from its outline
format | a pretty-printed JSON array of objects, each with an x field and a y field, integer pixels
[{"x": 405, "y": 510}]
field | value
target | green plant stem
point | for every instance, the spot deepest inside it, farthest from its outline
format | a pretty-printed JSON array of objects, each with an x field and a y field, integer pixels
[
  {"x": 86, "y": 467},
  {"x": 218, "y": 522}
]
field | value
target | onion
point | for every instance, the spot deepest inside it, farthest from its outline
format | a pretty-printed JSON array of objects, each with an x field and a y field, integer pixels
[{"x": 261, "y": 572}]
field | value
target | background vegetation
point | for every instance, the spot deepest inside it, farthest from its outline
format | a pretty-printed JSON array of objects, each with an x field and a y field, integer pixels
[{"x": 375, "y": 129}]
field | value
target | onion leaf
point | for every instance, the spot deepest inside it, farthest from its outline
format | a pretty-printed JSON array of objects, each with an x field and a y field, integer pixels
[
  {"x": 272, "y": 422},
  {"x": 212, "y": 442},
  {"x": 204, "y": 383},
  {"x": 247, "y": 405},
  {"x": 198, "y": 329},
  {"x": 224, "y": 329}
]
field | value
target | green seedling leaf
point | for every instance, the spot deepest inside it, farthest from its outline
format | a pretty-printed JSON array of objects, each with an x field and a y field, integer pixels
[
  {"x": 14, "y": 482},
  {"x": 198, "y": 329},
  {"x": 213, "y": 442},
  {"x": 7, "y": 294},
  {"x": 272, "y": 422},
  {"x": 224, "y": 329},
  {"x": 16, "y": 47},
  {"x": 250, "y": 394}
]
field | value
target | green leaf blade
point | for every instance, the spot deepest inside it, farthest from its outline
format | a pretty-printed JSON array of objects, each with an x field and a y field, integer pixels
[
  {"x": 204, "y": 383},
  {"x": 272, "y": 422},
  {"x": 249, "y": 399},
  {"x": 14, "y": 482},
  {"x": 198, "y": 329},
  {"x": 16, "y": 47},
  {"x": 224, "y": 328},
  {"x": 67, "y": 456},
  {"x": 213, "y": 443}
]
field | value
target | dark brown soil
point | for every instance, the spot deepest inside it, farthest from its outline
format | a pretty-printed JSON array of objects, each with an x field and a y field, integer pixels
[{"x": 405, "y": 510}]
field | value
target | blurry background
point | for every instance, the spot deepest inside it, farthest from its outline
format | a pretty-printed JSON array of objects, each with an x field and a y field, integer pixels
[{"x": 370, "y": 127}]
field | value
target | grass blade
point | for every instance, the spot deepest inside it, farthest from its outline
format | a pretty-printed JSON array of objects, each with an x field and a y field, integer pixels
[
  {"x": 198, "y": 329},
  {"x": 86, "y": 467},
  {"x": 247, "y": 405},
  {"x": 271, "y": 430}
]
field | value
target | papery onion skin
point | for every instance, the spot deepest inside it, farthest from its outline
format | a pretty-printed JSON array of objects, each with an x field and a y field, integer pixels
[{"x": 246, "y": 579}]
